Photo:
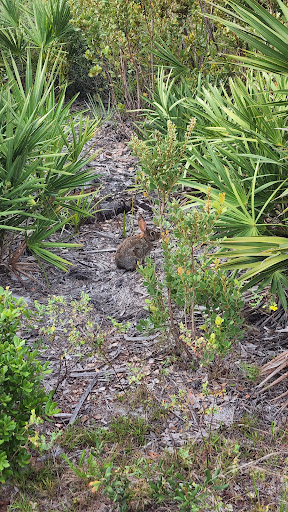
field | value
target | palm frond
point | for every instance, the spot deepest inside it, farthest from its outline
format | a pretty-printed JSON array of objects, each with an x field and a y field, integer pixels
[
  {"x": 273, "y": 369},
  {"x": 263, "y": 32}
]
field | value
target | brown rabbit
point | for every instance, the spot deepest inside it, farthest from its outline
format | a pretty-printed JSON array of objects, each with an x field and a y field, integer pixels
[{"x": 136, "y": 247}]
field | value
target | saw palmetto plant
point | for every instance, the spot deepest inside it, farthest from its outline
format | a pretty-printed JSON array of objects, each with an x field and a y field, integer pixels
[
  {"x": 273, "y": 370},
  {"x": 40, "y": 162},
  {"x": 264, "y": 259},
  {"x": 266, "y": 35}
]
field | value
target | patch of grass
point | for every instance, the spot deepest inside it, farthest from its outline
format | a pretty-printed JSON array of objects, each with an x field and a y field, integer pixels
[
  {"x": 123, "y": 429},
  {"x": 39, "y": 480},
  {"x": 116, "y": 463},
  {"x": 246, "y": 422},
  {"x": 142, "y": 395},
  {"x": 52, "y": 488},
  {"x": 79, "y": 437},
  {"x": 23, "y": 505}
]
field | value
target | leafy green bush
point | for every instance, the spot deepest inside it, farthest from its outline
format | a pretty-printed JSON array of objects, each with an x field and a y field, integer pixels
[
  {"x": 70, "y": 320},
  {"x": 191, "y": 280},
  {"x": 21, "y": 392},
  {"x": 122, "y": 39},
  {"x": 161, "y": 161},
  {"x": 76, "y": 70}
]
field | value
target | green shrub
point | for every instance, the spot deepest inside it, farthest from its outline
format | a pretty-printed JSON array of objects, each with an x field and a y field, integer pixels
[
  {"x": 192, "y": 279},
  {"x": 71, "y": 321},
  {"x": 21, "y": 392},
  {"x": 77, "y": 69},
  {"x": 122, "y": 40},
  {"x": 161, "y": 161}
]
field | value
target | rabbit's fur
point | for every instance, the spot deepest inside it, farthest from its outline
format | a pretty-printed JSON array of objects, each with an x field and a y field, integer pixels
[{"x": 134, "y": 248}]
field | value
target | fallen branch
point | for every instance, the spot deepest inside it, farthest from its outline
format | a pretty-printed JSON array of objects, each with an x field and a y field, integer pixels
[{"x": 82, "y": 400}]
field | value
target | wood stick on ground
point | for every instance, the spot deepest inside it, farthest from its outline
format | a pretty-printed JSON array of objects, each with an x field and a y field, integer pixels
[{"x": 82, "y": 400}]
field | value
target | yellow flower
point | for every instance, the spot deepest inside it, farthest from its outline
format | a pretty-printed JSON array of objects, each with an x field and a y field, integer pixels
[
  {"x": 273, "y": 307},
  {"x": 180, "y": 271}
]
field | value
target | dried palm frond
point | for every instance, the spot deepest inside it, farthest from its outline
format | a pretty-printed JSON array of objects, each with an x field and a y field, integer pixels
[
  {"x": 11, "y": 261},
  {"x": 271, "y": 369}
]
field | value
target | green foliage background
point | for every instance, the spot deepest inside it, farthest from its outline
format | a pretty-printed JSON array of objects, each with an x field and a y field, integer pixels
[{"x": 123, "y": 38}]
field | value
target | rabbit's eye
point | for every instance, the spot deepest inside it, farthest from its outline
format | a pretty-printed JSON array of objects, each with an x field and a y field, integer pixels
[{"x": 152, "y": 233}]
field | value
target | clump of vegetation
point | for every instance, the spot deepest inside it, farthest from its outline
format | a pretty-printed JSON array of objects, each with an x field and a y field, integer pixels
[
  {"x": 68, "y": 321},
  {"x": 161, "y": 159},
  {"x": 40, "y": 164},
  {"x": 133, "y": 480},
  {"x": 45, "y": 26},
  {"x": 192, "y": 279},
  {"x": 22, "y": 394},
  {"x": 198, "y": 476},
  {"x": 122, "y": 39}
]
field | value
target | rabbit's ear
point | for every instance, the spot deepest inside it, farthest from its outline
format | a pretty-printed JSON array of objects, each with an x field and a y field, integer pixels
[{"x": 142, "y": 224}]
